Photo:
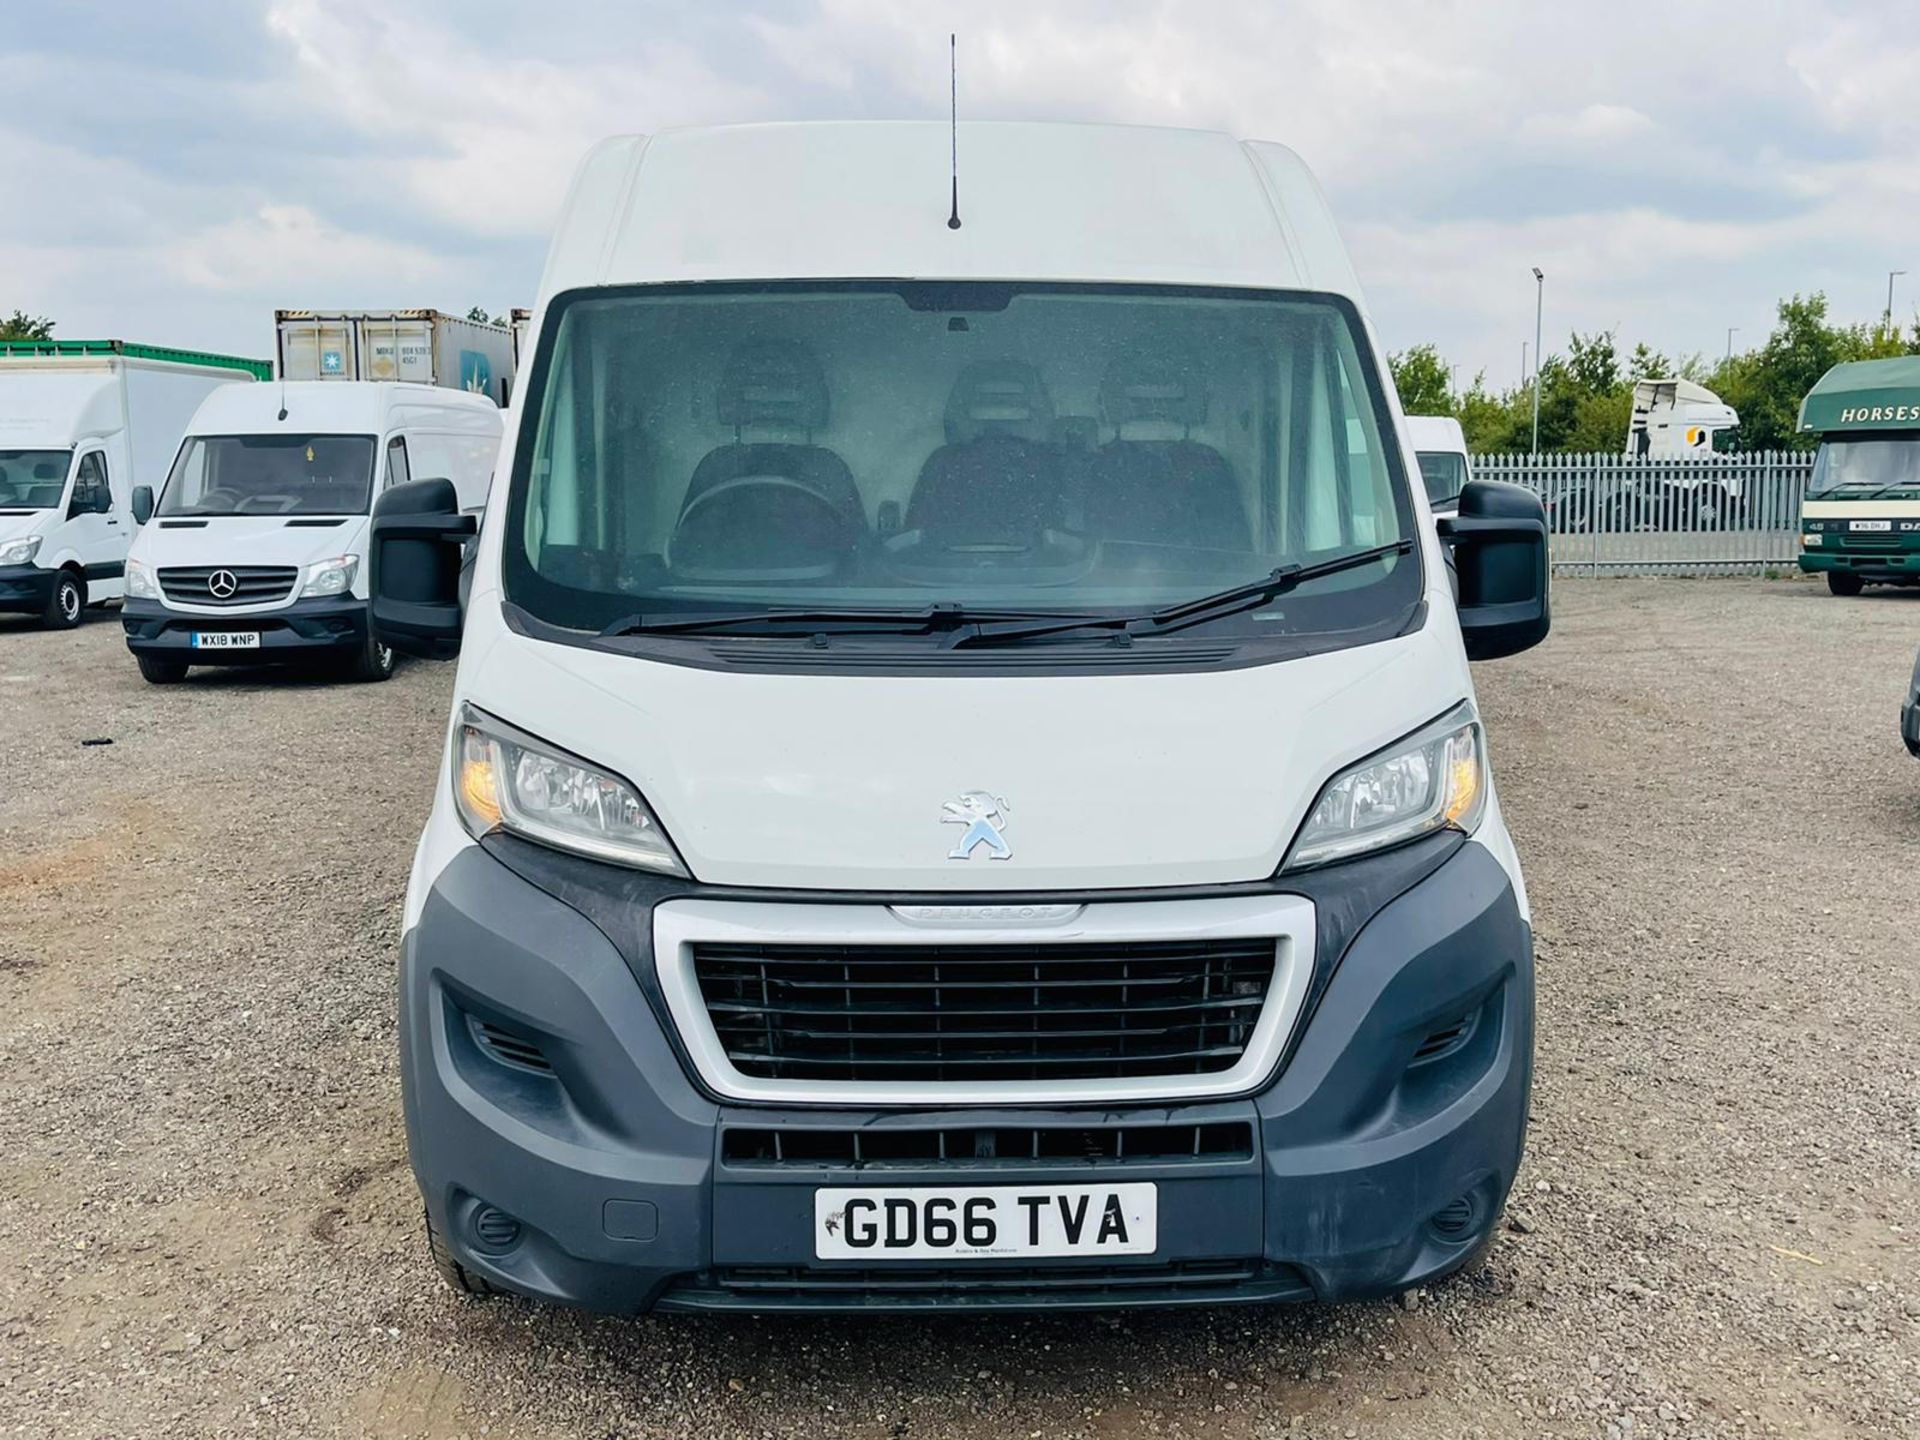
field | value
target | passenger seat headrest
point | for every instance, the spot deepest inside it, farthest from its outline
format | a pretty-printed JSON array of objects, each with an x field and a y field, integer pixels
[
  {"x": 999, "y": 397},
  {"x": 1163, "y": 386},
  {"x": 773, "y": 382},
  {"x": 47, "y": 470}
]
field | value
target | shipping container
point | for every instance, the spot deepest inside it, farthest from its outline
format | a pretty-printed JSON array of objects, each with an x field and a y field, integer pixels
[{"x": 423, "y": 346}]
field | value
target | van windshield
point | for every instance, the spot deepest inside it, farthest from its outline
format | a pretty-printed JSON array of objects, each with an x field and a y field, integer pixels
[
  {"x": 1054, "y": 449},
  {"x": 1445, "y": 474},
  {"x": 270, "y": 475},
  {"x": 1858, "y": 465},
  {"x": 32, "y": 479}
]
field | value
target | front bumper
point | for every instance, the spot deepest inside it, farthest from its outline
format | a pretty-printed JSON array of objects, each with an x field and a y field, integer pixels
[
  {"x": 25, "y": 589},
  {"x": 304, "y": 630},
  {"x": 1357, "y": 1171},
  {"x": 1897, "y": 565},
  {"x": 1910, "y": 723}
]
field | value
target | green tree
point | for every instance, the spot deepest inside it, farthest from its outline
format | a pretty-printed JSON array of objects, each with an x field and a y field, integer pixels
[
  {"x": 22, "y": 326},
  {"x": 478, "y": 315},
  {"x": 1421, "y": 377}
]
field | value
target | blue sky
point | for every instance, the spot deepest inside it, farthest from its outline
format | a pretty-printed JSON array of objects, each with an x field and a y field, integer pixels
[{"x": 175, "y": 172}]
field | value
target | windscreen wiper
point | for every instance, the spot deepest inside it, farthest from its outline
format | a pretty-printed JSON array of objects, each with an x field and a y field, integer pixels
[
  {"x": 1190, "y": 612},
  {"x": 941, "y": 615},
  {"x": 1878, "y": 492}
]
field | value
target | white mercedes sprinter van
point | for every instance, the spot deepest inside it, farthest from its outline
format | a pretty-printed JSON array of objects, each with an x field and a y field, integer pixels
[
  {"x": 82, "y": 424},
  {"x": 252, "y": 552},
  {"x": 963, "y": 786}
]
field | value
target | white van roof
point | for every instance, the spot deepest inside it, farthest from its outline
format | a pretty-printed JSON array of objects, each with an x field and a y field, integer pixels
[
  {"x": 340, "y": 407},
  {"x": 54, "y": 407},
  {"x": 870, "y": 200},
  {"x": 1432, "y": 433}
]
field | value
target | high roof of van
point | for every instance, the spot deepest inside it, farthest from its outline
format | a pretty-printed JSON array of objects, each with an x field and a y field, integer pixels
[
  {"x": 1436, "y": 433},
  {"x": 870, "y": 200},
  {"x": 339, "y": 407},
  {"x": 1865, "y": 395}
]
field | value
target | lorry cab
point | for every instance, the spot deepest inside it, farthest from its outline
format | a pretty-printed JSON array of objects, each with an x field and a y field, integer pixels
[
  {"x": 1678, "y": 420},
  {"x": 82, "y": 423},
  {"x": 962, "y": 791},
  {"x": 253, "y": 550},
  {"x": 1440, "y": 447},
  {"x": 1860, "y": 519}
]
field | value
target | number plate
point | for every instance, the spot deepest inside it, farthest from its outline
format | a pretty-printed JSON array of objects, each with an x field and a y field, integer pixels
[
  {"x": 226, "y": 639},
  {"x": 1869, "y": 525},
  {"x": 986, "y": 1222}
]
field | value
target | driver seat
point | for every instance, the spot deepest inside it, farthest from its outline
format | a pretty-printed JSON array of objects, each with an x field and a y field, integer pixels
[
  {"x": 769, "y": 509},
  {"x": 775, "y": 385}
]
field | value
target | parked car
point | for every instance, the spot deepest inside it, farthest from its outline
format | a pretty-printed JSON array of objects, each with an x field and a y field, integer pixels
[
  {"x": 961, "y": 791},
  {"x": 1910, "y": 712},
  {"x": 82, "y": 422},
  {"x": 254, "y": 550}
]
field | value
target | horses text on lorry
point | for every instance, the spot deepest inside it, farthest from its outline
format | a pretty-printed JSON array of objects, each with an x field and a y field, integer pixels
[{"x": 962, "y": 791}]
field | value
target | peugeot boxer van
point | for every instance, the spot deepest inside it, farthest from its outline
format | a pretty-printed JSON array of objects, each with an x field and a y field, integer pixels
[
  {"x": 963, "y": 786},
  {"x": 252, "y": 551}
]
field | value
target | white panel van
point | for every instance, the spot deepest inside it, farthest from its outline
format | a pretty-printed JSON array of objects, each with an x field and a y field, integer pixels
[
  {"x": 1440, "y": 447},
  {"x": 83, "y": 423},
  {"x": 252, "y": 552},
  {"x": 964, "y": 787}
]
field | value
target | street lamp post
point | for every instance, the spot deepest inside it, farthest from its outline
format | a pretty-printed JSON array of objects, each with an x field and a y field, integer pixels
[
  {"x": 1539, "y": 303},
  {"x": 1731, "y": 329},
  {"x": 1890, "y": 278}
]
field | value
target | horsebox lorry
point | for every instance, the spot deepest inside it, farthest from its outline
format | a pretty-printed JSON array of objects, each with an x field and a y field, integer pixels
[
  {"x": 963, "y": 786},
  {"x": 1860, "y": 518},
  {"x": 82, "y": 423}
]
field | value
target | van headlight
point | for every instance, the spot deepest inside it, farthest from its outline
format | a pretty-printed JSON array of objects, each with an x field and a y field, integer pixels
[
  {"x": 20, "y": 551},
  {"x": 1435, "y": 779},
  {"x": 139, "y": 581},
  {"x": 504, "y": 779},
  {"x": 331, "y": 577}
]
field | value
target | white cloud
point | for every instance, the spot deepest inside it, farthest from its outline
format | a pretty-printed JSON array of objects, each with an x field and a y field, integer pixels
[{"x": 417, "y": 154}]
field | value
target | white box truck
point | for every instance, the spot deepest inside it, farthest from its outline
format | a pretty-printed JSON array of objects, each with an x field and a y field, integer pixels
[
  {"x": 82, "y": 423},
  {"x": 961, "y": 791},
  {"x": 425, "y": 347}
]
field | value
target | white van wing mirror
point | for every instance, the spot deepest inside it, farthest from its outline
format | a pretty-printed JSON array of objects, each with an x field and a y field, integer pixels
[
  {"x": 1500, "y": 558},
  {"x": 413, "y": 568},
  {"x": 142, "y": 504}
]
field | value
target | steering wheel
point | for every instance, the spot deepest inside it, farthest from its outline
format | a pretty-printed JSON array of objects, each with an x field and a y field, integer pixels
[{"x": 711, "y": 544}]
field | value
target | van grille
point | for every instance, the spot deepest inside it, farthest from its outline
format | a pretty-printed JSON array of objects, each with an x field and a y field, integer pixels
[
  {"x": 976, "y": 1147},
  {"x": 999, "y": 1287},
  {"x": 252, "y": 584},
  {"x": 985, "y": 1012}
]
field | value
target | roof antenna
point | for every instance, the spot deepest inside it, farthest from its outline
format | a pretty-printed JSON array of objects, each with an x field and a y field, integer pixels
[{"x": 953, "y": 125}]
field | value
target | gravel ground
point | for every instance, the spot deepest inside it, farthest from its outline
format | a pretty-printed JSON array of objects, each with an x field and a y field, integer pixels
[{"x": 211, "y": 1228}]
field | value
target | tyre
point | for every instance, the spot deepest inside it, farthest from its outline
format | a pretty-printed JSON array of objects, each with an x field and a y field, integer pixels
[
  {"x": 64, "y": 605},
  {"x": 451, "y": 1270},
  {"x": 158, "y": 670},
  {"x": 1845, "y": 582},
  {"x": 371, "y": 662}
]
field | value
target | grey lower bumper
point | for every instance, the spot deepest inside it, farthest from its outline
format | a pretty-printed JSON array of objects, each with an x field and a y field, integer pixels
[
  {"x": 25, "y": 589},
  {"x": 303, "y": 631},
  {"x": 540, "y": 1082}
]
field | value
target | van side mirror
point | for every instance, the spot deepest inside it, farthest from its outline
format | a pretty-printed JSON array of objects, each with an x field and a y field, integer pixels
[
  {"x": 142, "y": 504},
  {"x": 413, "y": 568},
  {"x": 1500, "y": 556}
]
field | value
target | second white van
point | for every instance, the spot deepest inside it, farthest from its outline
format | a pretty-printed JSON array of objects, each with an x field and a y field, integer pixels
[
  {"x": 1440, "y": 445},
  {"x": 254, "y": 551}
]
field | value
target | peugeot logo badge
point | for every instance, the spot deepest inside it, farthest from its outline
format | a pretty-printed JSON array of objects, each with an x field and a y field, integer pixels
[
  {"x": 985, "y": 817},
  {"x": 221, "y": 584}
]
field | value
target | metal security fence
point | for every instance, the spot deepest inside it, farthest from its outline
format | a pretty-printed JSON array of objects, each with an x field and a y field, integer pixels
[{"x": 1623, "y": 515}]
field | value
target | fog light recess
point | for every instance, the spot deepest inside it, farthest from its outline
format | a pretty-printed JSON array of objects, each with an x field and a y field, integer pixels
[
  {"x": 1454, "y": 1221},
  {"x": 493, "y": 1228}
]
